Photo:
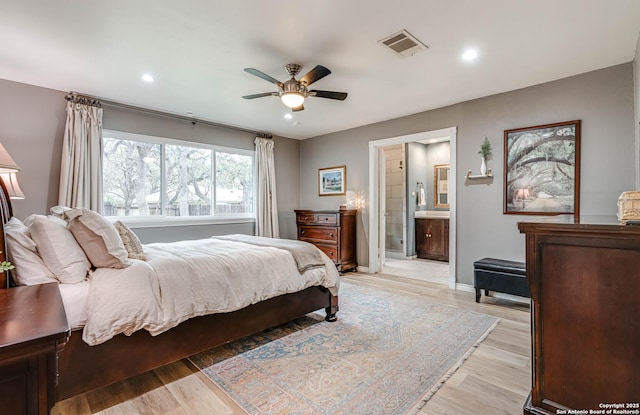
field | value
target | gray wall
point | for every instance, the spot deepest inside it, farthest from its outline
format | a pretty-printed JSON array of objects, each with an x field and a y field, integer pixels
[
  {"x": 603, "y": 100},
  {"x": 32, "y": 123}
]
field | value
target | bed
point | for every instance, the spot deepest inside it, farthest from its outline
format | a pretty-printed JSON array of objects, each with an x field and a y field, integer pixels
[{"x": 118, "y": 355}]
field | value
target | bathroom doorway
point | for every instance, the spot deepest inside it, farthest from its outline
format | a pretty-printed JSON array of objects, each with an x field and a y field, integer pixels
[{"x": 379, "y": 225}]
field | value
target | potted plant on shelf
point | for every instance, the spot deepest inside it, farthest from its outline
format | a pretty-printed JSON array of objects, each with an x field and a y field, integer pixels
[{"x": 485, "y": 155}]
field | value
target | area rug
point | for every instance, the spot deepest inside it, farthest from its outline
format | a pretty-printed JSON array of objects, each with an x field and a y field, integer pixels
[{"x": 387, "y": 354}]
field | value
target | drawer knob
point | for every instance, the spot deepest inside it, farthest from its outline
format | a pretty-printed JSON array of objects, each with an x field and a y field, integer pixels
[
  {"x": 326, "y": 218},
  {"x": 331, "y": 234},
  {"x": 331, "y": 253},
  {"x": 302, "y": 232}
]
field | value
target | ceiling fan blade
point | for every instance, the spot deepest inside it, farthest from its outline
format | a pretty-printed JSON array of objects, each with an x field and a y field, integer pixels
[
  {"x": 265, "y": 94},
  {"x": 315, "y": 74},
  {"x": 263, "y": 75},
  {"x": 300, "y": 108},
  {"x": 329, "y": 94}
]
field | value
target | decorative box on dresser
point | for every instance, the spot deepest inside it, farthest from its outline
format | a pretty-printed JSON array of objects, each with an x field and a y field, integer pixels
[
  {"x": 333, "y": 231},
  {"x": 33, "y": 328},
  {"x": 584, "y": 279}
]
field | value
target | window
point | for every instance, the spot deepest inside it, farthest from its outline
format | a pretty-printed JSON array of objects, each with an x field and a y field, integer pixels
[{"x": 149, "y": 177}]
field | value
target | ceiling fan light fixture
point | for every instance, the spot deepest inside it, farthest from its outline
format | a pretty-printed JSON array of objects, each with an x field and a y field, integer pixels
[
  {"x": 292, "y": 99},
  {"x": 294, "y": 92}
]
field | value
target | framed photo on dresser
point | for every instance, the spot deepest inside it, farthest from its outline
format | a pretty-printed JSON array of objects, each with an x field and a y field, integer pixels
[{"x": 332, "y": 181}]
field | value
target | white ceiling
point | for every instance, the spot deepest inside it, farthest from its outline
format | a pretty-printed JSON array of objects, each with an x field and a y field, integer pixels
[{"x": 197, "y": 50}]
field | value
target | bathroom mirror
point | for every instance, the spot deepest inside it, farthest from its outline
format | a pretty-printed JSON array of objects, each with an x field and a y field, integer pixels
[{"x": 441, "y": 185}]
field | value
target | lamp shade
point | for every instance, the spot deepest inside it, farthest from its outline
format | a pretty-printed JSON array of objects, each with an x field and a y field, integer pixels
[
  {"x": 11, "y": 183},
  {"x": 7, "y": 165}
]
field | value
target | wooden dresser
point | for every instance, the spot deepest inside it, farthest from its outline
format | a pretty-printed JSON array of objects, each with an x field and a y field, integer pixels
[
  {"x": 333, "y": 231},
  {"x": 584, "y": 280}
]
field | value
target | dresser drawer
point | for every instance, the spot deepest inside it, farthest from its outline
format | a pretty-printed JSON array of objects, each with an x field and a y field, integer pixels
[
  {"x": 306, "y": 218},
  {"x": 318, "y": 233},
  {"x": 322, "y": 219},
  {"x": 326, "y": 219},
  {"x": 330, "y": 250}
]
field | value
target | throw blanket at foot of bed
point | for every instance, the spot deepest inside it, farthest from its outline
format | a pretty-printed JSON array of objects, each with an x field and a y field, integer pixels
[
  {"x": 185, "y": 279},
  {"x": 306, "y": 255}
]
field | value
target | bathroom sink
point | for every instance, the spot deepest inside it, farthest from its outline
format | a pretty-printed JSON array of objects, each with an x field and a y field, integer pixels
[{"x": 432, "y": 214}]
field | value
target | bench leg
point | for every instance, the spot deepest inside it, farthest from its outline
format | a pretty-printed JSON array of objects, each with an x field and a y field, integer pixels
[
  {"x": 478, "y": 293},
  {"x": 486, "y": 292}
]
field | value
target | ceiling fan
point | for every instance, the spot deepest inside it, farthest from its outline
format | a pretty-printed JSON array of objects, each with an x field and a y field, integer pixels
[{"x": 293, "y": 92}]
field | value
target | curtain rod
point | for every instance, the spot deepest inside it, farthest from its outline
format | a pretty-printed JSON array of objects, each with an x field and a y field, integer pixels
[{"x": 98, "y": 102}]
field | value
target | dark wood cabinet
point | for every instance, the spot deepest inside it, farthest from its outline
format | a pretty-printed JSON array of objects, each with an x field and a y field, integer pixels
[
  {"x": 584, "y": 280},
  {"x": 333, "y": 231},
  {"x": 432, "y": 238},
  {"x": 33, "y": 328}
]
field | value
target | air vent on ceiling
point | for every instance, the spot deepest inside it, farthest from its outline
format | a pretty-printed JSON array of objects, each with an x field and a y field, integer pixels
[{"x": 403, "y": 44}]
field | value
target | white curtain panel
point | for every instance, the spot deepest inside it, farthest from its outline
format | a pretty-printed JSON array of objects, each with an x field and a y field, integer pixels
[
  {"x": 81, "y": 169},
  {"x": 267, "y": 224}
]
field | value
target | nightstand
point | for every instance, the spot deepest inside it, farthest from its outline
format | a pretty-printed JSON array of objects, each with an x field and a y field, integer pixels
[{"x": 33, "y": 328}]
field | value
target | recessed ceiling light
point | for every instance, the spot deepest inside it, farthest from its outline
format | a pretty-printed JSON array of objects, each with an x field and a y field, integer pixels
[
  {"x": 288, "y": 116},
  {"x": 147, "y": 78},
  {"x": 470, "y": 54}
]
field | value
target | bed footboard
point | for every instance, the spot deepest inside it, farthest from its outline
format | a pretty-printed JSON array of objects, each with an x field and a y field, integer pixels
[{"x": 83, "y": 367}]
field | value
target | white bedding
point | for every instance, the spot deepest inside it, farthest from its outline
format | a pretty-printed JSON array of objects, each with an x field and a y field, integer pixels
[
  {"x": 185, "y": 279},
  {"x": 74, "y": 298}
]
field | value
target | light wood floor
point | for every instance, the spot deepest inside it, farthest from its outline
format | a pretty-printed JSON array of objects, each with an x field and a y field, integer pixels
[{"x": 495, "y": 379}]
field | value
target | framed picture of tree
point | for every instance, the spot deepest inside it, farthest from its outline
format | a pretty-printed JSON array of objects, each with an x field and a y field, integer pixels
[{"x": 542, "y": 169}]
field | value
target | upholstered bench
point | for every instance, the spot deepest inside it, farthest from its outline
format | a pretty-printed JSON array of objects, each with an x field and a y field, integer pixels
[{"x": 491, "y": 274}]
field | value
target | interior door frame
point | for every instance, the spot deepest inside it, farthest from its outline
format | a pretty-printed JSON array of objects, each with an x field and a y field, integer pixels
[
  {"x": 382, "y": 207},
  {"x": 375, "y": 147}
]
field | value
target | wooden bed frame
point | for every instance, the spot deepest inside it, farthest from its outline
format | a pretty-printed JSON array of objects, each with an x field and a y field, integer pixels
[{"x": 82, "y": 367}]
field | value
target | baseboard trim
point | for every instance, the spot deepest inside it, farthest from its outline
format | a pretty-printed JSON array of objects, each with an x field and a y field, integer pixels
[
  {"x": 502, "y": 296},
  {"x": 363, "y": 269}
]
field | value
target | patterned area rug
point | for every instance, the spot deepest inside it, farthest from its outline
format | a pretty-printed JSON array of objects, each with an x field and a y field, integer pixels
[{"x": 386, "y": 354}]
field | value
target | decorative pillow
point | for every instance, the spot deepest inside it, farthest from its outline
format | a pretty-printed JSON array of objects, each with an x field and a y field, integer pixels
[
  {"x": 58, "y": 248},
  {"x": 98, "y": 238},
  {"x": 131, "y": 241},
  {"x": 21, "y": 251}
]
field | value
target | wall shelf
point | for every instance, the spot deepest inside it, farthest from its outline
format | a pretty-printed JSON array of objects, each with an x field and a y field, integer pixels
[{"x": 479, "y": 178}]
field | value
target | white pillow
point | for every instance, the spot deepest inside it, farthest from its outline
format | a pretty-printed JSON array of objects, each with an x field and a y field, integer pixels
[
  {"x": 58, "y": 248},
  {"x": 21, "y": 251},
  {"x": 98, "y": 238}
]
